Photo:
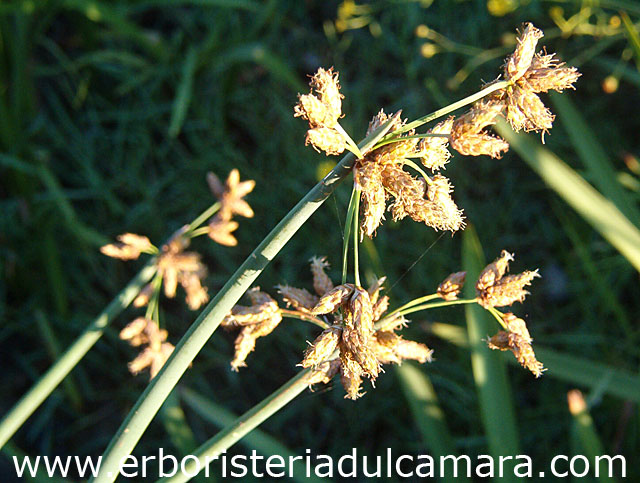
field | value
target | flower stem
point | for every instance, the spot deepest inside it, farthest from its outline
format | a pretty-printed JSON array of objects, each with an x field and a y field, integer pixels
[
  {"x": 348, "y": 225},
  {"x": 413, "y": 303},
  {"x": 294, "y": 314},
  {"x": 446, "y": 110},
  {"x": 243, "y": 425},
  {"x": 131, "y": 430},
  {"x": 356, "y": 238},
  {"x": 25, "y": 407},
  {"x": 436, "y": 305}
]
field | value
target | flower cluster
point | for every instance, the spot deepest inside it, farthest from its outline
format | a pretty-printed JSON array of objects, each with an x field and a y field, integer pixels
[
  {"x": 381, "y": 176},
  {"x": 322, "y": 107},
  {"x": 143, "y": 331},
  {"x": 230, "y": 196},
  {"x": 255, "y": 321}
]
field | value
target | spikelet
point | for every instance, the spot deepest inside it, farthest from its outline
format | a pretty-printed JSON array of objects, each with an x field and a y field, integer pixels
[
  {"x": 450, "y": 287},
  {"x": 298, "y": 298},
  {"x": 468, "y": 137},
  {"x": 321, "y": 281},
  {"x": 144, "y": 296},
  {"x": 323, "y": 373},
  {"x": 333, "y": 299},
  {"x": 130, "y": 247},
  {"x": 322, "y": 347},
  {"x": 368, "y": 178},
  {"x": 525, "y": 111},
  {"x": 507, "y": 290},
  {"x": 230, "y": 195},
  {"x": 518, "y": 341},
  {"x": 220, "y": 231},
  {"x": 143, "y": 331},
  {"x": 517, "y": 64},
  {"x": 312, "y": 109},
  {"x": 325, "y": 139},
  {"x": 432, "y": 151},
  {"x": 440, "y": 193},
  {"x": 494, "y": 271}
]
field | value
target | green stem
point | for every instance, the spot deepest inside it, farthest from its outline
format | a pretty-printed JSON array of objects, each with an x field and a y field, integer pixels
[
  {"x": 242, "y": 426},
  {"x": 348, "y": 225},
  {"x": 446, "y": 110},
  {"x": 352, "y": 146},
  {"x": 415, "y": 136},
  {"x": 25, "y": 407},
  {"x": 498, "y": 316},
  {"x": 413, "y": 303},
  {"x": 204, "y": 216},
  {"x": 436, "y": 305},
  {"x": 129, "y": 433},
  {"x": 419, "y": 170},
  {"x": 356, "y": 238},
  {"x": 63, "y": 366},
  {"x": 292, "y": 314}
]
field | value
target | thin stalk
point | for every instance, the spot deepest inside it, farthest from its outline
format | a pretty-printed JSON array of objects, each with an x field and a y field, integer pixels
[
  {"x": 498, "y": 316},
  {"x": 436, "y": 305},
  {"x": 131, "y": 430},
  {"x": 356, "y": 238},
  {"x": 446, "y": 110},
  {"x": 351, "y": 145},
  {"x": 415, "y": 136},
  {"x": 234, "y": 432},
  {"x": 413, "y": 303},
  {"x": 26, "y": 406},
  {"x": 419, "y": 170},
  {"x": 347, "y": 234},
  {"x": 292, "y": 314},
  {"x": 199, "y": 231},
  {"x": 63, "y": 366}
]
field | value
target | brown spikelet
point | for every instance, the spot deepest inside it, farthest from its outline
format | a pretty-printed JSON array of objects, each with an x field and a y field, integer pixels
[
  {"x": 143, "y": 331},
  {"x": 144, "y": 296},
  {"x": 325, "y": 139},
  {"x": 321, "y": 281},
  {"x": 326, "y": 85},
  {"x": 518, "y": 341},
  {"x": 361, "y": 310},
  {"x": 324, "y": 372},
  {"x": 350, "y": 375},
  {"x": 130, "y": 247},
  {"x": 231, "y": 195},
  {"x": 468, "y": 137},
  {"x": 220, "y": 231},
  {"x": 312, "y": 109},
  {"x": 246, "y": 341},
  {"x": 450, "y": 287},
  {"x": 450, "y": 216},
  {"x": 333, "y": 299},
  {"x": 299, "y": 298},
  {"x": 322, "y": 347},
  {"x": 518, "y": 63},
  {"x": 433, "y": 151},
  {"x": 525, "y": 111},
  {"x": 409, "y": 349},
  {"x": 494, "y": 271},
  {"x": 368, "y": 178},
  {"x": 380, "y": 307},
  {"x": 507, "y": 290}
]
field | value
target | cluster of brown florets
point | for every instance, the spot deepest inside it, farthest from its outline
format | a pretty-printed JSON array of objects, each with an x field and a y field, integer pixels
[
  {"x": 145, "y": 332},
  {"x": 352, "y": 344},
  {"x": 322, "y": 107},
  {"x": 382, "y": 177},
  {"x": 174, "y": 266},
  {"x": 494, "y": 289},
  {"x": 230, "y": 196}
]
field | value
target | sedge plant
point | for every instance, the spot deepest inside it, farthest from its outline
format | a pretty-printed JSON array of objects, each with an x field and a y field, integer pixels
[{"x": 396, "y": 171}]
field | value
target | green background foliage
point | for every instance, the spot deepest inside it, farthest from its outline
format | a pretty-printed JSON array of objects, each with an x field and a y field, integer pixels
[{"x": 111, "y": 114}]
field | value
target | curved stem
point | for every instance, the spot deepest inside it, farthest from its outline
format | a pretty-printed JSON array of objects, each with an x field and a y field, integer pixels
[
  {"x": 415, "y": 136},
  {"x": 446, "y": 110},
  {"x": 293, "y": 314},
  {"x": 129, "y": 433},
  {"x": 348, "y": 225},
  {"x": 413, "y": 303},
  {"x": 26, "y": 406},
  {"x": 204, "y": 216},
  {"x": 435, "y": 306},
  {"x": 356, "y": 238}
]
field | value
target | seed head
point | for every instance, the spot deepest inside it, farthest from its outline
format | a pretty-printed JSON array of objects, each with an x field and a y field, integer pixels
[
  {"x": 450, "y": 287},
  {"x": 433, "y": 151},
  {"x": 326, "y": 139},
  {"x": 321, "y": 281},
  {"x": 494, "y": 271},
  {"x": 130, "y": 247},
  {"x": 230, "y": 195},
  {"x": 330, "y": 301},
  {"x": 518, "y": 63},
  {"x": 298, "y": 298},
  {"x": 220, "y": 231},
  {"x": 507, "y": 290},
  {"x": 324, "y": 372},
  {"x": 468, "y": 137},
  {"x": 518, "y": 341},
  {"x": 322, "y": 347}
]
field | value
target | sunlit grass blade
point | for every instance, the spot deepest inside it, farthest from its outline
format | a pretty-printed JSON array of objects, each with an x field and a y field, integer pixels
[
  {"x": 260, "y": 441},
  {"x": 576, "y": 370},
  {"x": 585, "y": 435},
  {"x": 489, "y": 369},
  {"x": 63, "y": 366},
  {"x": 130, "y": 431},
  {"x": 580, "y": 195},
  {"x": 599, "y": 167},
  {"x": 427, "y": 414}
]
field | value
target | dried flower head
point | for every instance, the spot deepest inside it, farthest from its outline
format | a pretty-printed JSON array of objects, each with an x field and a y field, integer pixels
[
  {"x": 230, "y": 195},
  {"x": 130, "y": 247},
  {"x": 144, "y": 331},
  {"x": 433, "y": 151},
  {"x": 495, "y": 290},
  {"x": 450, "y": 287},
  {"x": 531, "y": 73},
  {"x": 322, "y": 107},
  {"x": 321, "y": 281},
  {"x": 221, "y": 231},
  {"x": 257, "y": 320},
  {"x": 518, "y": 341},
  {"x": 186, "y": 269},
  {"x": 467, "y": 133}
]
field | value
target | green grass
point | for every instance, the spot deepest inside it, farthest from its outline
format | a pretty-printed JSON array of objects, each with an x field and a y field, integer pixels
[{"x": 111, "y": 116}]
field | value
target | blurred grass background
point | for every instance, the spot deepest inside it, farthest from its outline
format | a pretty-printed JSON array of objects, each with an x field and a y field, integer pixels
[{"x": 112, "y": 113}]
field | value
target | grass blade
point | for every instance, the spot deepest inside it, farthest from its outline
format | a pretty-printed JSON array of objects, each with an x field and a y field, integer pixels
[
  {"x": 599, "y": 212},
  {"x": 427, "y": 414},
  {"x": 262, "y": 442},
  {"x": 183, "y": 96},
  {"x": 599, "y": 167},
  {"x": 489, "y": 369}
]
